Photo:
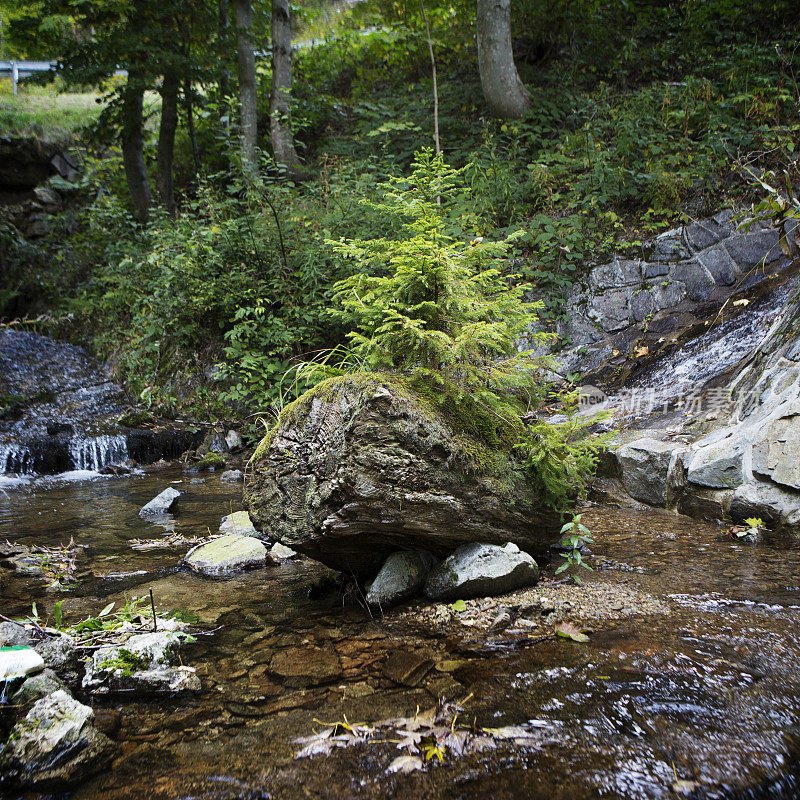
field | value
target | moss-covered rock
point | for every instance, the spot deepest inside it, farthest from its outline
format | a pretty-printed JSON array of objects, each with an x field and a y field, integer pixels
[{"x": 363, "y": 465}]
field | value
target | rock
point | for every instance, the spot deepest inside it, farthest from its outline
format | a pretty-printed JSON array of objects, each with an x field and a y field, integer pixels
[
  {"x": 718, "y": 465},
  {"x": 701, "y": 235},
  {"x": 140, "y": 664},
  {"x": 777, "y": 454},
  {"x": 645, "y": 467},
  {"x": 305, "y": 666},
  {"x": 617, "y": 273},
  {"x": 696, "y": 278},
  {"x": 752, "y": 249},
  {"x": 162, "y": 504},
  {"x": 406, "y": 669},
  {"x": 18, "y": 661},
  {"x": 214, "y": 442},
  {"x": 61, "y": 654},
  {"x": 232, "y": 476},
  {"x": 360, "y": 468},
  {"x": 668, "y": 246},
  {"x": 478, "y": 570},
  {"x": 237, "y": 523},
  {"x": 401, "y": 577},
  {"x": 280, "y": 552},
  {"x": 227, "y": 554},
  {"x": 611, "y": 309},
  {"x": 774, "y": 505},
  {"x": 12, "y": 634},
  {"x": 36, "y": 687},
  {"x": 46, "y": 196},
  {"x": 56, "y": 744},
  {"x": 233, "y": 440},
  {"x": 720, "y": 265}
]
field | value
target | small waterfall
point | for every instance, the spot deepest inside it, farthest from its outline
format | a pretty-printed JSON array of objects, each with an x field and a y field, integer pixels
[
  {"x": 96, "y": 452},
  {"x": 16, "y": 458}
]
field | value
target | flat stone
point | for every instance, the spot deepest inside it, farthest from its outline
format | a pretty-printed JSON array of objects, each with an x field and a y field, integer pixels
[
  {"x": 406, "y": 668},
  {"x": 616, "y": 273},
  {"x": 656, "y": 269},
  {"x": 701, "y": 235},
  {"x": 668, "y": 293},
  {"x": 478, "y": 570},
  {"x": 239, "y": 522},
  {"x": 303, "y": 666},
  {"x": 227, "y": 554},
  {"x": 279, "y": 552},
  {"x": 718, "y": 466},
  {"x": 642, "y": 305},
  {"x": 644, "y": 469},
  {"x": 162, "y": 504},
  {"x": 56, "y": 744},
  {"x": 401, "y": 577},
  {"x": 611, "y": 309}
]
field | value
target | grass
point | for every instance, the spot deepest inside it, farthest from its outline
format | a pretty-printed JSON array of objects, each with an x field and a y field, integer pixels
[{"x": 40, "y": 111}]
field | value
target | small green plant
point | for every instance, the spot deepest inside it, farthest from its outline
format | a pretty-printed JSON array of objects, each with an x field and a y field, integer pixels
[
  {"x": 125, "y": 661},
  {"x": 754, "y": 522},
  {"x": 574, "y": 535}
]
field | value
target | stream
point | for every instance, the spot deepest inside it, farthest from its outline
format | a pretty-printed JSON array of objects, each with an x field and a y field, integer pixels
[{"x": 700, "y": 698}]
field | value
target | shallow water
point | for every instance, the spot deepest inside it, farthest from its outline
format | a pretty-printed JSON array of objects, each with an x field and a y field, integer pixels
[{"x": 706, "y": 692}]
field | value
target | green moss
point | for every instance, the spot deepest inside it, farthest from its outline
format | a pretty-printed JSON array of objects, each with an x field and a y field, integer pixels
[
  {"x": 136, "y": 418},
  {"x": 481, "y": 439},
  {"x": 125, "y": 661},
  {"x": 210, "y": 460}
]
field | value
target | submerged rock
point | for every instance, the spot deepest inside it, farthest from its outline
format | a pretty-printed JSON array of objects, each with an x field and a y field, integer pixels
[
  {"x": 238, "y": 522},
  {"x": 477, "y": 570},
  {"x": 227, "y": 554},
  {"x": 140, "y": 664},
  {"x": 360, "y": 468},
  {"x": 401, "y": 577},
  {"x": 161, "y": 504},
  {"x": 232, "y": 476},
  {"x": 56, "y": 743}
]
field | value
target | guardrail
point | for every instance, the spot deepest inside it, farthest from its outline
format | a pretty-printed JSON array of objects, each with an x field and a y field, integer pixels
[{"x": 23, "y": 69}]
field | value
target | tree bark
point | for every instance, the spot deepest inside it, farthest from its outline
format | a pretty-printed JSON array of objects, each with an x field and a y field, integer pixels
[
  {"x": 505, "y": 93},
  {"x": 133, "y": 146},
  {"x": 166, "y": 141},
  {"x": 280, "y": 127},
  {"x": 247, "y": 86},
  {"x": 224, "y": 78}
]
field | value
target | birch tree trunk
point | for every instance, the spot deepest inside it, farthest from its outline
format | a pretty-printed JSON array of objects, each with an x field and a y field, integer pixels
[
  {"x": 166, "y": 141},
  {"x": 247, "y": 85},
  {"x": 280, "y": 128},
  {"x": 505, "y": 93},
  {"x": 133, "y": 146}
]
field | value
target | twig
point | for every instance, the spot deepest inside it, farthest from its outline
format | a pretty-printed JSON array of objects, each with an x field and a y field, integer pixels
[{"x": 153, "y": 606}]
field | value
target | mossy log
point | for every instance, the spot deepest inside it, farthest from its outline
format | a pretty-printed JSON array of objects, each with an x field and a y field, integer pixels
[{"x": 362, "y": 466}]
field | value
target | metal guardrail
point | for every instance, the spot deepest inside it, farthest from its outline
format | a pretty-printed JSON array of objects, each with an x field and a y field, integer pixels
[{"x": 23, "y": 69}]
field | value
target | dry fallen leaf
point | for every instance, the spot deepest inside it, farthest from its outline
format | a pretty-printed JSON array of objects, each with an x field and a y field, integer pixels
[
  {"x": 742, "y": 302},
  {"x": 642, "y": 351},
  {"x": 405, "y": 764}
]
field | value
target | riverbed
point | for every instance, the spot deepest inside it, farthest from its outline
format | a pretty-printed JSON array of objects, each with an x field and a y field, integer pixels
[{"x": 690, "y": 686}]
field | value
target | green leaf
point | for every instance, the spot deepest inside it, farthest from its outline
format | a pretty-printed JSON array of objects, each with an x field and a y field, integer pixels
[
  {"x": 568, "y": 630},
  {"x": 459, "y": 605},
  {"x": 106, "y": 611}
]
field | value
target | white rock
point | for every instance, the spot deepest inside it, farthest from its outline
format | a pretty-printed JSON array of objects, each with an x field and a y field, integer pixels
[
  {"x": 237, "y": 523},
  {"x": 281, "y": 552},
  {"x": 227, "y": 554},
  {"x": 161, "y": 504},
  {"x": 18, "y": 661}
]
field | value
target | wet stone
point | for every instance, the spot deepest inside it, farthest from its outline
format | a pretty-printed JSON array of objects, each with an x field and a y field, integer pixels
[
  {"x": 162, "y": 504},
  {"x": 406, "y": 668},
  {"x": 305, "y": 666}
]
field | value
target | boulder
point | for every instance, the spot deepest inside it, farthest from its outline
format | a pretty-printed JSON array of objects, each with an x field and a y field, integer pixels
[
  {"x": 140, "y": 664},
  {"x": 401, "y": 577},
  {"x": 56, "y": 744},
  {"x": 478, "y": 570},
  {"x": 227, "y": 554},
  {"x": 35, "y": 687},
  {"x": 773, "y": 504},
  {"x": 13, "y": 634},
  {"x": 161, "y": 504},
  {"x": 237, "y": 523},
  {"x": 645, "y": 468},
  {"x": 61, "y": 654},
  {"x": 231, "y": 476},
  {"x": 719, "y": 465},
  {"x": 280, "y": 552},
  {"x": 777, "y": 454},
  {"x": 361, "y": 467}
]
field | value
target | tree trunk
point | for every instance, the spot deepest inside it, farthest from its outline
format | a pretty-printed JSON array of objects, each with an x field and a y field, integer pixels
[
  {"x": 280, "y": 128},
  {"x": 505, "y": 93},
  {"x": 224, "y": 78},
  {"x": 166, "y": 141},
  {"x": 133, "y": 146},
  {"x": 247, "y": 86}
]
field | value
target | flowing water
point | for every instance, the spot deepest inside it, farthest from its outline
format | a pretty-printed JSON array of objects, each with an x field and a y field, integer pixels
[{"x": 706, "y": 690}]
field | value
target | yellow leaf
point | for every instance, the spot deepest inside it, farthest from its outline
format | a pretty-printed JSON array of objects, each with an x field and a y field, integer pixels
[
  {"x": 742, "y": 302},
  {"x": 642, "y": 351}
]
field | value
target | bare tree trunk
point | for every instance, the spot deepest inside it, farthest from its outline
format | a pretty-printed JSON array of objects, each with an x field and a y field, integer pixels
[
  {"x": 187, "y": 91},
  {"x": 224, "y": 78},
  {"x": 505, "y": 93},
  {"x": 247, "y": 86},
  {"x": 133, "y": 146},
  {"x": 166, "y": 141},
  {"x": 280, "y": 127}
]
